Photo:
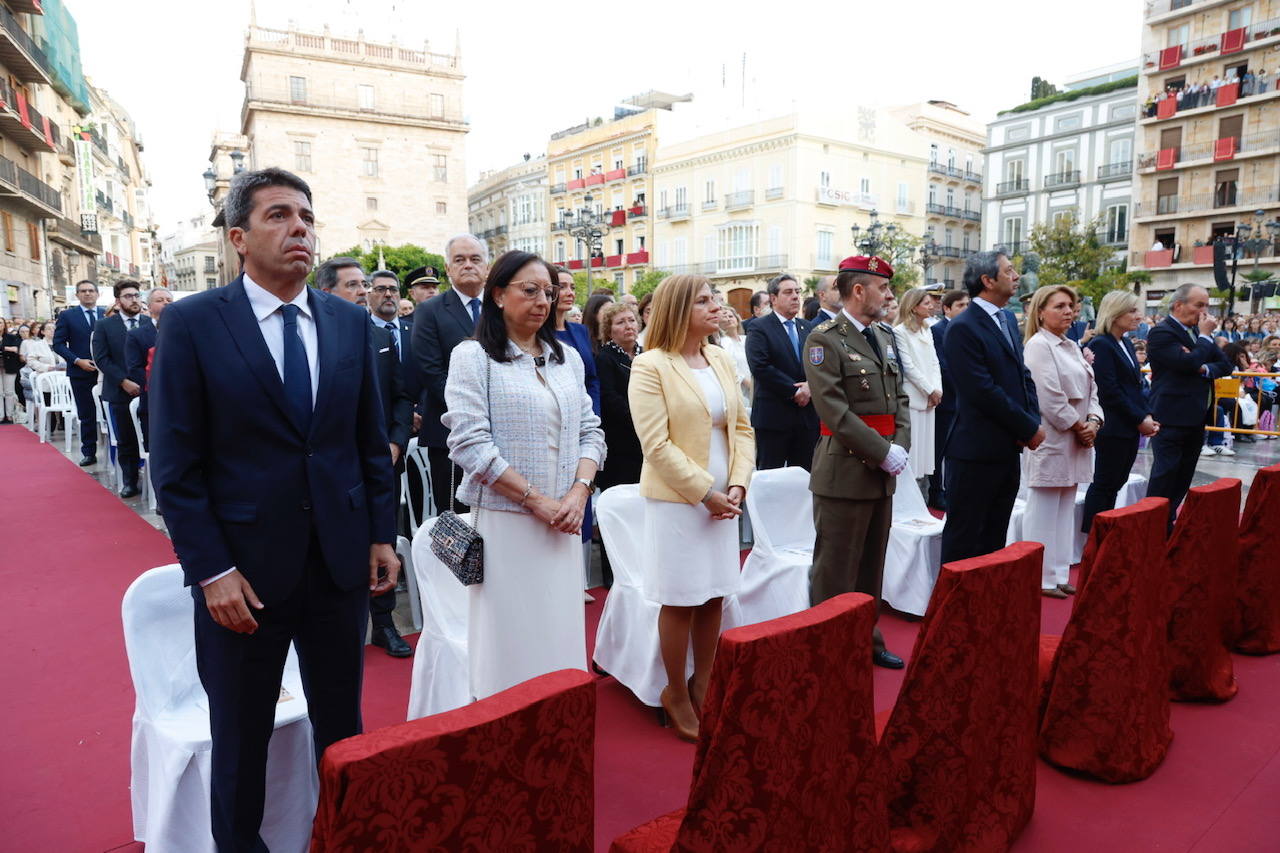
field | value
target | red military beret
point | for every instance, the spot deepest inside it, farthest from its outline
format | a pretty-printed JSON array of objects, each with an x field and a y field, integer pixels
[{"x": 863, "y": 263}]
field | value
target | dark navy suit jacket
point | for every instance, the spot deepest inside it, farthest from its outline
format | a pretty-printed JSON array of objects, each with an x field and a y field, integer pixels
[
  {"x": 137, "y": 346},
  {"x": 996, "y": 404},
  {"x": 109, "y": 354},
  {"x": 238, "y": 481},
  {"x": 947, "y": 407},
  {"x": 439, "y": 325},
  {"x": 1180, "y": 393},
  {"x": 775, "y": 369},
  {"x": 1119, "y": 384},
  {"x": 72, "y": 339}
]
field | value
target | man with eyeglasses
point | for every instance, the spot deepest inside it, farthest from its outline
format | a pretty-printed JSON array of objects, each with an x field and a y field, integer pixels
[
  {"x": 439, "y": 325},
  {"x": 384, "y": 311},
  {"x": 118, "y": 390},
  {"x": 344, "y": 278},
  {"x": 72, "y": 339}
]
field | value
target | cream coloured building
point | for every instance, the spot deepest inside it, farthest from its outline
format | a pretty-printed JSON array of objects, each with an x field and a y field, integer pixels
[
  {"x": 507, "y": 208},
  {"x": 377, "y": 130},
  {"x": 953, "y": 195},
  {"x": 1204, "y": 171},
  {"x": 608, "y": 162},
  {"x": 121, "y": 192},
  {"x": 745, "y": 203}
]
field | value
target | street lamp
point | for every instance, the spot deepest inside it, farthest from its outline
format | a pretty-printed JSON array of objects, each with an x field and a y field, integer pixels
[
  {"x": 877, "y": 235},
  {"x": 1266, "y": 235},
  {"x": 210, "y": 181},
  {"x": 237, "y": 160},
  {"x": 928, "y": 253},
  {"x": 590, "y": 229}
]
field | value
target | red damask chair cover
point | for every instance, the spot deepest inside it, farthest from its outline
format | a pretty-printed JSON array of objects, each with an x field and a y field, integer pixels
[
  {"x": 1202, "y": 572},
  {"x": 787, "y": 755},
  {"x": 1257, "y": 627},
  {"x": 1105, "y": 705},
  {"x": 959, "y": 749},
  {"x": 513, "y": 772}
]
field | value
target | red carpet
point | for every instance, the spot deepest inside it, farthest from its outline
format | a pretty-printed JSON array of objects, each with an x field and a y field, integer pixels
[{"x": 72, "y": 548}]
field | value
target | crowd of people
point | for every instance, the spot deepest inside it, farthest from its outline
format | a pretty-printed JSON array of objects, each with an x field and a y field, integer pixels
[
  {"x": 1204, "y": 93},
  {"x": 283, "y": 413}
]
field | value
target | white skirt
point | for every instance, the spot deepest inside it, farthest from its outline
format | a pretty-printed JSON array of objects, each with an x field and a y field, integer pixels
[
  {"x": 526, "y": 618},
  {"x": 920, "y": 458},
  {"x": 690, "y": 558}
]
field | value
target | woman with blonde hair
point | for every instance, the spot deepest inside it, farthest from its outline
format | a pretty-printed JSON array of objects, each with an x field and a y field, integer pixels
[
  {"x": 733, "y": 341},
  {"x": 1118, "y": 374},
  {"x": 924, "y": 381},
  {"x": 699, "y": 451},
  {"x": 1071, "y": 418}
]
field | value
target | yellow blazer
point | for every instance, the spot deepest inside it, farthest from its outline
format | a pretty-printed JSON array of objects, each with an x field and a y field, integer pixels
[{"x": 674, "y": 425}]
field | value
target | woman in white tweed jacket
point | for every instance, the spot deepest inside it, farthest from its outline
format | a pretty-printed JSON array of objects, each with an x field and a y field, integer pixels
[{"x": 522, "y": 429}]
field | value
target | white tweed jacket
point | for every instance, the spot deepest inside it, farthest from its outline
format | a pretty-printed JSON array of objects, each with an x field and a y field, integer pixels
[{"x": 509, "y": 430}]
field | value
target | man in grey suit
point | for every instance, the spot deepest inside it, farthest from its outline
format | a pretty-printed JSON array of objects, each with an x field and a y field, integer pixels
[{"x": 439, "y": 325}]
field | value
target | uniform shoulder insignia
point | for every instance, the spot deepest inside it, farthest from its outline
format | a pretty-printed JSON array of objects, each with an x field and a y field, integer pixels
[{"x": 825, "y": 325}]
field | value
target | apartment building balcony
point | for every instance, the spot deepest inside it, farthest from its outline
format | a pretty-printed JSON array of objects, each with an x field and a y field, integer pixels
[
  {"x": 616, "y": 218},
  {"x": 744, "y": 266},
  {"x": 637, "y": 211},
  {"x": 1062, "y": 180},
  {"x": 19, "y": 185},
  {"x": 24, "y": 125},
  {"x": 637, "y": 168},
  {"x": 740, "y": 200},
  {"x": 67, "y": 233},
  {"x": 597, "y": 261},
  {"x": 1206, "y": 153},
  {"x": 104, "y": 202},
  {"x": 635, "y": 258},
  {"x": 709, "y": 204},
  {"x": 1116, "y": 171},
  {"x": 675, "y": 212},
  {"x": 1158, "y": 10},
  {"x": 774, "y": 193},
  {"x": 562, "y": 225},
  {"x": 955, "y": 173},
  {"x": 556, "y": 189},
  {"x": 971, "y": 215},
  {"x": 612, "y": 260},
  {"x": 576, "y": 184},
  {"x": 1200, "y": 257},
  {"x": 20, "y": 53},
  {"x": 1006, "y": 189},
  {"x": 594, "y": 180},
  {"x": 615, "y": 175},
  {"x": 1214, "y": 47},
  {"x": 1015, "y": 247},
  {"x": 127, "y": 218},
  {"x": 1228, "y": 198},
  {"x": 949, "y": 252},
  {"x": 947, "y": 210},
  {"x": 575, "y": 264}
]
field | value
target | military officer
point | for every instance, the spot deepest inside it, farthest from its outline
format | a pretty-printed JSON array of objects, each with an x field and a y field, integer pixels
[{"x": 857, "y": 385}]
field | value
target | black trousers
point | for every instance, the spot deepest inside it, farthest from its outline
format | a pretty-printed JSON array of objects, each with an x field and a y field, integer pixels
[
  {"x": 980, "y": 498},
  {"x": 126, "y": 444},
  {"x": 784, "y": 448},
  {"x": 1175, "y": 451},
  {"x": 943, "y": 419},
  {"x": 382, "y": 606},
  {"x": 441, "y": 466},
  {"x": 1112, "y": 464},
  {"x": 87, "y": 412},
  {"x": 242, "y": 673}
]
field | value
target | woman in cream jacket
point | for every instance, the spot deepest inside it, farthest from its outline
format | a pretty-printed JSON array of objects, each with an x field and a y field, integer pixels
[{"x": 699, "y": 452}]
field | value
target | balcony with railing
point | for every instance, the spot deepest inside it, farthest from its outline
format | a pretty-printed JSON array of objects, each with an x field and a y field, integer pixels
[
  {"x": 104, "y": 202},
  {"x": 640, "y": 257},
  {"x": 556, "y": 189},
  {"x": 773, "y": 193},
  {"x": 1011, "y": 247},
  {"x": 1062, "y": 180},
  {"x": 351, "y": 51},
  {"x": 739, "y": 200},
  {"x": 69, "y": 234},
  {"x": 1216, "y": 46},
  {"x": 127, "y": 218},
  {"x": 971, "y": 215},
  {"x": 593, "y": 180},
  {"x": 19, "y": 185},
  {"x": 1019, "y": 186},
  {"x": 19, "y": 52},
  {"x": 674, "y": 212},
  {"x": 1204, "y": 153},
  {"x": 1115, "y": 171},
  {"x": 1228, "y": 195},
  {"x": 638, "y": 168},
  {"x": 576, "y": 184},
  {"x": 709, "y": 204},
  {"x": 637, "y": 210},
  {"x": 23, "y": 124},
  {"x": 615, "y": 175}
]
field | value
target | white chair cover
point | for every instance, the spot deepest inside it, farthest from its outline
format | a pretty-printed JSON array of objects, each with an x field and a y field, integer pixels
[
  {"x": 415, "y": 485},
  {"x": 58, "y": 387},
  {"x": 170, "y": 753},
  {"x": 107, "y": 425},
  {"x": 148, "y": 492},
  {"x": 775, "y": 577},
  {"x": 405, "y": 552},
  {"x": 441, "y": 680},
  {"x": 627, "y": 636},
  {"x": 914, "y": 556}
]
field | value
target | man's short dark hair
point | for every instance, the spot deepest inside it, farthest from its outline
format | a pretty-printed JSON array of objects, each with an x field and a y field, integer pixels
[
  {"x": 951, "y": 297},
  {"x": 385, "y": 274},
  {"x": 981, "y": 264},
  {"x": 327, "y": 275},
  {"x": 124, "y": 284},
  {"x": 846, "y": 279},
  {"x": 239, "y": 202},
  {"x": 84, "y": 281},
  {"x": 775, "y": 283},
  {"x": 759, "y": 298}
]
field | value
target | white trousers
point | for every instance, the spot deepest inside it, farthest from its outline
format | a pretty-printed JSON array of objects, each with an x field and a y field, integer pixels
[{"x": 1049, "y": 518}]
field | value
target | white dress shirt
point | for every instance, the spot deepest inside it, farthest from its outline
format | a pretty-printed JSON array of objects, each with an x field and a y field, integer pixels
[{"x": 266, "y": 308}]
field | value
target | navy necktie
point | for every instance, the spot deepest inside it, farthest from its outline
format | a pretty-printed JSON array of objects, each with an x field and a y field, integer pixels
[
  {"x": 91, "y": 315},
  {"x": 395, "y": 341},
  {"x": 297, "y": 371},
  {"x": 474, "y": 305}
]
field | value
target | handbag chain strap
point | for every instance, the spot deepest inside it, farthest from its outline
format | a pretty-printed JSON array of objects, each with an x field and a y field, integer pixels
[{"x": 453, "y": 469}]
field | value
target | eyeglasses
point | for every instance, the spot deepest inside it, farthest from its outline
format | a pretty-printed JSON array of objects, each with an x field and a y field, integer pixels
[
  {"x": 530, "y": 290},
  {"x": 385, "y": 289}
]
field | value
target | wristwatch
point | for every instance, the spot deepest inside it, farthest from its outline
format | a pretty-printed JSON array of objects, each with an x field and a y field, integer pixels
[{"x": 589, "y": 485}]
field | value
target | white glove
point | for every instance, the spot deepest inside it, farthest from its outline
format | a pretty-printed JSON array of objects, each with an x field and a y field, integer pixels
[{"x": 895, "y": 461}]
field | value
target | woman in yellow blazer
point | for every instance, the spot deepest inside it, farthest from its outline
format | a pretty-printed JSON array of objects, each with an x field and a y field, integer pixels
[{"x": 699, "y": 452}]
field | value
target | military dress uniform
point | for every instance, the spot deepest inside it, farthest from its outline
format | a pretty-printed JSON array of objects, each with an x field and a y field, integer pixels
[{"x": 860, "y": 397}]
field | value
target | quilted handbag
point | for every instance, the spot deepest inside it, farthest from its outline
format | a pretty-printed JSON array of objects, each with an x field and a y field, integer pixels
[{"x": 457, "y": 544}]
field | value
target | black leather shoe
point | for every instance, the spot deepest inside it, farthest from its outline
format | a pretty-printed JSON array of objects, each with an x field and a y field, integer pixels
[
  {"x": 130, "y": 492},
  {"x": 390, "y": 639},
  {"x": 886, "y": 659},
  {"x": 86, "y": 461}
]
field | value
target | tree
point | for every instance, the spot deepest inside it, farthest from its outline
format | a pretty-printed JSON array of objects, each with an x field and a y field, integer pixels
[
  {"x": 1041, "y": 88},
  {"x": 646, "y": 283},
  {"x": 1070, "y": 250},
  {"x": 811, "y": 283},
  {"x": 401, "y": 260},
  {"x": 899, "y": 248}
]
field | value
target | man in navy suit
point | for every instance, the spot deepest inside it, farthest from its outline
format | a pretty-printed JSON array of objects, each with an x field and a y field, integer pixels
[
  {"x": 439, "y": 325},
  {"x": 273, "y": 476},
  {"x": 953, "y": 302},
  {"x": 782, "y": 413},
  {"x": 1184, "y": 362},
  {"x": 73, "y": 340},
  {"x": 384, "y": 311},
  {"x": 344, "y": 278},
  {"x": 137, "y": 352},
  {"x": 997, "y": 412},
  {"x": 118, "y": 390}
]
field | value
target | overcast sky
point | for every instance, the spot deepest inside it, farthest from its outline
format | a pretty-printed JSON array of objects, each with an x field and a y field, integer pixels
[{"x": 533, "y": 69}]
